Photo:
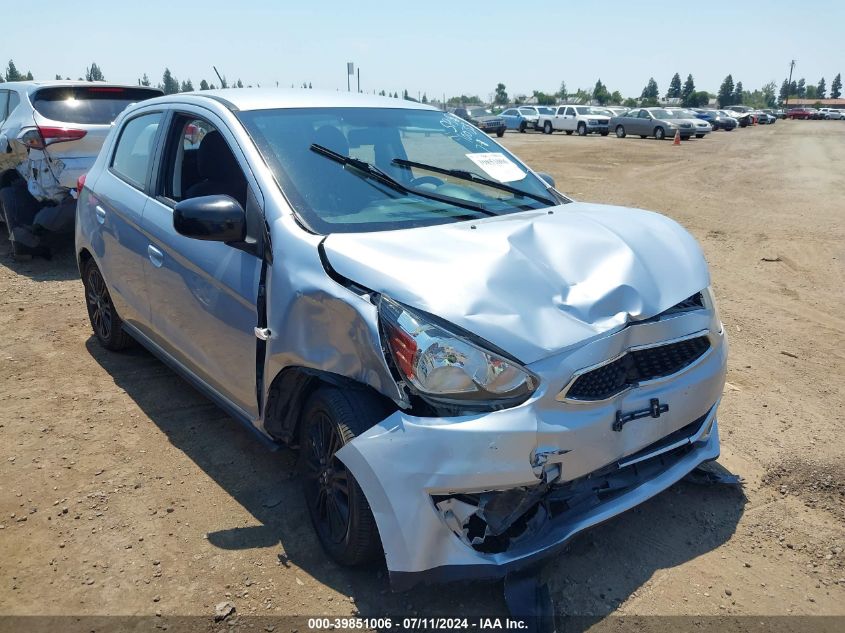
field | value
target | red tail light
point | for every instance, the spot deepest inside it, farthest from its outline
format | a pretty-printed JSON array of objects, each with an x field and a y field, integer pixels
[
  {"x": 43, "y": 136},
  {"x": 80, "y": 183}
]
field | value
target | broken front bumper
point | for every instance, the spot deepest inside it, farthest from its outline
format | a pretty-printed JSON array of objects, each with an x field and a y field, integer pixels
[{"x": 478, "y": 496}]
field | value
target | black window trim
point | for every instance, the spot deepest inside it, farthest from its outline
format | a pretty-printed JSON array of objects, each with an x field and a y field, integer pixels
[{"x": 145, "y": 186}]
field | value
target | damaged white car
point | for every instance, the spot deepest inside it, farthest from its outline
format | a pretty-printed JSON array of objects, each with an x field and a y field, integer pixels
[
  {"x": 50, "y": 134},
  {"x": 474, "y": 366}
]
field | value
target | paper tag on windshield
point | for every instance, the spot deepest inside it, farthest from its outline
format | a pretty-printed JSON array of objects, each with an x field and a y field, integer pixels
[{"x": 497, "y": 166}]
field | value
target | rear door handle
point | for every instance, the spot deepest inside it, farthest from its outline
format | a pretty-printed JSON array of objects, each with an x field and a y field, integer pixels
[
  {"x": 101, "y": 214},
  {"x": 155, "y": 255}
]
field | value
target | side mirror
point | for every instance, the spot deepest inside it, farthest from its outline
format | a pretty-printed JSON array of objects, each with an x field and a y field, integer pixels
[
  {"x": 547, "y": 178},
  {"x": 214, "y": 218}
]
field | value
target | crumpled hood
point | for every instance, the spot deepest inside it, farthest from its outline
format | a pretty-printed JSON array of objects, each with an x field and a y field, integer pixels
[{"x": 531, "y": 283}]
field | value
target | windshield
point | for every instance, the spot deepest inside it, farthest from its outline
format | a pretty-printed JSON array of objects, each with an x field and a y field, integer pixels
[
  {"x": 545, "y": 110},
  {"x": 480, "y": 112},
  {"x": 660, "y": 113},
  {"x": 332, "y": 198}
]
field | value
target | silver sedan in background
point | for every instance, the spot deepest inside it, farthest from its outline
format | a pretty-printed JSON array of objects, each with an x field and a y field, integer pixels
[{"x": 656, "y": 122}]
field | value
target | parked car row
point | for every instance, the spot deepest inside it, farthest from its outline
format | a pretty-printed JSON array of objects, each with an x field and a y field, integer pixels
[
  {"x": 584, "y": 119},
  {"x": 813, "y": 113}
]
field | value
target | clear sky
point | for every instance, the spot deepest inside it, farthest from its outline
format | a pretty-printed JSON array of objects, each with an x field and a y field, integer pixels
[{"x": 432, "y": 46}]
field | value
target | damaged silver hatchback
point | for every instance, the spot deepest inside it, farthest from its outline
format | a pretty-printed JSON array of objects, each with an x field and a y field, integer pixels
[{"x": 474, "y": 367}]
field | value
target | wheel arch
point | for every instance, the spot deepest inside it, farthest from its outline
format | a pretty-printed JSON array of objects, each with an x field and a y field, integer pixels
[{"x": 289, "y": 392}]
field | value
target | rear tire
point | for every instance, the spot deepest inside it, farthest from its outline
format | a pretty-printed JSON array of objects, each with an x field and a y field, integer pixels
[
  {"x": 605, "y": 133},
  {"x": 699, "y": 136},
  {"x": 339, "y": 510},
  {"x": 106, "y": 323},
  {"x": 569, "y": 132},
  {"x": 17, "y": 210},
  {"x": 620, "y": 131}
]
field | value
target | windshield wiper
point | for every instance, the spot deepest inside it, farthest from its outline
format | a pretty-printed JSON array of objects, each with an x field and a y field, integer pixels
[
  {"x": 371, "y": 171},
  {"x": 468, "y": 175}
]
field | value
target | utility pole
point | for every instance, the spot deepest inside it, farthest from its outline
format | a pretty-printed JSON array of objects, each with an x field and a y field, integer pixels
[
  {"x": 788, "y": 85},
  {"x": 359, "y": 79}
]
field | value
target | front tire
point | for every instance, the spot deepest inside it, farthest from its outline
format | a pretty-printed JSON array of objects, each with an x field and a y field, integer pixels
[
  {"x": 547, "y": 127},
  {"x": 339, "y": 510},
  {"x": 620, "y": 131},
  {"x": 659, "y": 133},
  {"x": 106, "y": 323},
  {"x": 500, "y": 132},
  {"x": 522, "y": 127},
  {"x": 582, "y": 129}
]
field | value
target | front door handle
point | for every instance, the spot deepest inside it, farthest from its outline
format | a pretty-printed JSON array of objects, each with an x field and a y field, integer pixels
[
  {"x": 100, "y": 213},
  {"x": 155, "y": 255}
]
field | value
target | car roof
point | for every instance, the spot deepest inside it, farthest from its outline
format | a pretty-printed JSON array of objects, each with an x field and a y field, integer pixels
[
  {"x": 246, "y": 99},
  {"x": 32, "y": 86}
]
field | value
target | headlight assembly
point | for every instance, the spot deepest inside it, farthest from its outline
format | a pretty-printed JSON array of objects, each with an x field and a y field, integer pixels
[{"x": 447, "y": 367}]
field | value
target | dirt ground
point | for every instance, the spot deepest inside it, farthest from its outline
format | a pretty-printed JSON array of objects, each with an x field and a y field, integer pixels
[{"x": 123, "y": 491}]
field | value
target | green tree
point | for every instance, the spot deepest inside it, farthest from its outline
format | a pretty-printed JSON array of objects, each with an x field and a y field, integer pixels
[
  {"x": 821, "y": 89},
  {"x": 601, "y": 93},
  {"x": 650, "y": 93},
  {"x": 144, "y": 81},
  {"x": 545, "y": 99},
  {"x": 811, "y": 93},
  {"x": 561, "y": 92},
  {"x": 240, "y": 84},
  {"x": 424, "y": 98},
  {"x": 58, "y": 77},
  {"x": 738, "y": 95},
  {"x": 12, "y": 73},
  {"x": 688, "y": 93},
  {"x": 630, "y": 103},
  {"x": 169, "y": 84},
  {"x": 836, "y": 87},
  {"x": 801, "y": 88},
  {"x": 203, "y": 84},
  {"x": 674, "y": 91},
  {"x": 701, "y": 99},
  {"x": 1, "y": 78},
  {"x": 186, "y": 86},
  {"x": 784, "y": 91},
  {"x": 769, "y": 94},
  {"x": 29, "y": 76},
  {"x": 616, "y": 97},
  {"x": 501, "y": 97},
  {"x": 94, "y": 73},
  {"x": 726, "y": 92}
]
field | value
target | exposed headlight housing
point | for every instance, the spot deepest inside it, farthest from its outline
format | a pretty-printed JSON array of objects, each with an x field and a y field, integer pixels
[{"x": 448, "y": 368}]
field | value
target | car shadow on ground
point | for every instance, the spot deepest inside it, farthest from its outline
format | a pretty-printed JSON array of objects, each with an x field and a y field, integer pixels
[
  {"x": 595, "y": 574},
  {"x": 61, "y": 266}
]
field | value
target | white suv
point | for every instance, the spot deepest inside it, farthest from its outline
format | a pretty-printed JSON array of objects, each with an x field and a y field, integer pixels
[
  {"x": 576, "y": 118},
  {"x": 50, "y": 134},
  {"x": 831, "y": 113}
]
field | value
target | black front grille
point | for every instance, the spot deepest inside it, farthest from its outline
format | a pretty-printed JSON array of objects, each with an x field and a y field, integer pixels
[{"x": 636, "y": 367}]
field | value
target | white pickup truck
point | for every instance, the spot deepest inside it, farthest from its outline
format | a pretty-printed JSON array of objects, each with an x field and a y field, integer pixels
[{"x": 576, "y": 118}]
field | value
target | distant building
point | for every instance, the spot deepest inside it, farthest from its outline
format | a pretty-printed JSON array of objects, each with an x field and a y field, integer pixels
[{"x": 839, "y": 104}]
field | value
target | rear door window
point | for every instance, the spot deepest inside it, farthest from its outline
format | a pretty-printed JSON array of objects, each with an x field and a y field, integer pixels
[
  {"x": 92, "y": 105},
  {"x": 133, "y": 154}
]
